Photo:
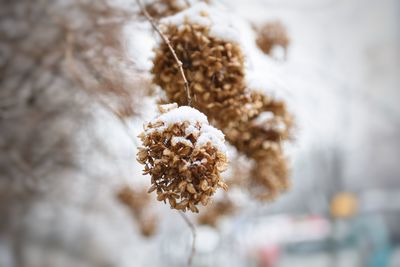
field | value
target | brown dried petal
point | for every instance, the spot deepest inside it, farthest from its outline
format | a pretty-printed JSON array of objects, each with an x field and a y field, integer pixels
[{"x": 190, "y": 188}]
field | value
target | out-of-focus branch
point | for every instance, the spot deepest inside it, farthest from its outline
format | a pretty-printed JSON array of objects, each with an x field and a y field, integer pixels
[{"x": 193, "y": 230}]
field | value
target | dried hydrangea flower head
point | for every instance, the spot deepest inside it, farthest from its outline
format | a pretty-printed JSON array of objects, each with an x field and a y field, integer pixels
[
  {"x": 268, "y": 124},
  {"x": 138, "y": 201},
  {"x": 260, "y": 137},
  {"x": 217, "y": 210},
  {"x": 271, "y": 35},
  {"x": 270, "y": 175},
  {"x": 184, "y": 156},
  {"x": 214, "y": 66}
]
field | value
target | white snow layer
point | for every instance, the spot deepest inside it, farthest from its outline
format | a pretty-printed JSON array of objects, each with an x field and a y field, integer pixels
[
  {"x": 209, "y": 134},
  {"x": 181, "y": 114},
  {"x": 221, "y": 24},
  {"x": 206, "y": 133},
  {"x": 180, "y": 140}
]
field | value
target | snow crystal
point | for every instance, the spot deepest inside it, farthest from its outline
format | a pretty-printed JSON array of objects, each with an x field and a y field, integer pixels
[
  {"x": 264, "y": 117},
  {"x": 191, "y": 130},
  {"x": 178, "y": 139},
  {"x": 222, "y": 30},
  {"x": 212, "y": 135},
  {"x": 280, "y": 126},
  {"x": 167, "y": 107}
]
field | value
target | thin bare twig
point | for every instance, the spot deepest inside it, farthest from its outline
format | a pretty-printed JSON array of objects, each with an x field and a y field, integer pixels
[
  {"x": 189, "y": 98},
  {"x": 193, "y": 229},
  {"x": 168, "y": 43}
]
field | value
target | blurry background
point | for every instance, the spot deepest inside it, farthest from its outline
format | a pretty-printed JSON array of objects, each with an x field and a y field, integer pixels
[
  {"x": 64, "y": 155},
  {"x": 343, "y": 74}
]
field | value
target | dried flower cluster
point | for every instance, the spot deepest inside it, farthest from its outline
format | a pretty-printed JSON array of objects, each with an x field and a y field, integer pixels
[
  {"x": 215, "y": 69},
  {"x": 271, "y": 173},
  {"x": 270, "y": 35},
  {"x": 260, "y": 138},
  {"x": 216, "y": 211},
  {"x": 263, "y": 129},
  {"x": 253, "y": 122},
  {"x": 138, "y": 202},
  {"x": 184, "y": 156}
]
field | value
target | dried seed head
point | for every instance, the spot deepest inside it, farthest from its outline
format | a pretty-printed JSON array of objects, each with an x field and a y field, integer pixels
[
  {"x": 138, "y": 201},
  {"x": 216, "y": 211},
  {"x": 270, "y": 35},
  {"x": 184, "y": 155},
  {"x": 148, "y": 226},
  {"x": 265, "y": 130},
  {"x": 270, "y": 176}
]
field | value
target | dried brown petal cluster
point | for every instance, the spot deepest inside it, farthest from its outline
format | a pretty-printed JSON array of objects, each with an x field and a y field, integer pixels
[
  {"x": 253, "y": 122},
  {"x": 184, "y": 170},
  {"x": 270, "y": 175},
  {"x": 215, "y": 69},
  {"x": 138, "y": 201},
  {"x": 259, "y": 136},
  {"x": 256, "y": 135},
  {"x": 216, "y": 211},
  {"x": 270, "y": 35}
]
